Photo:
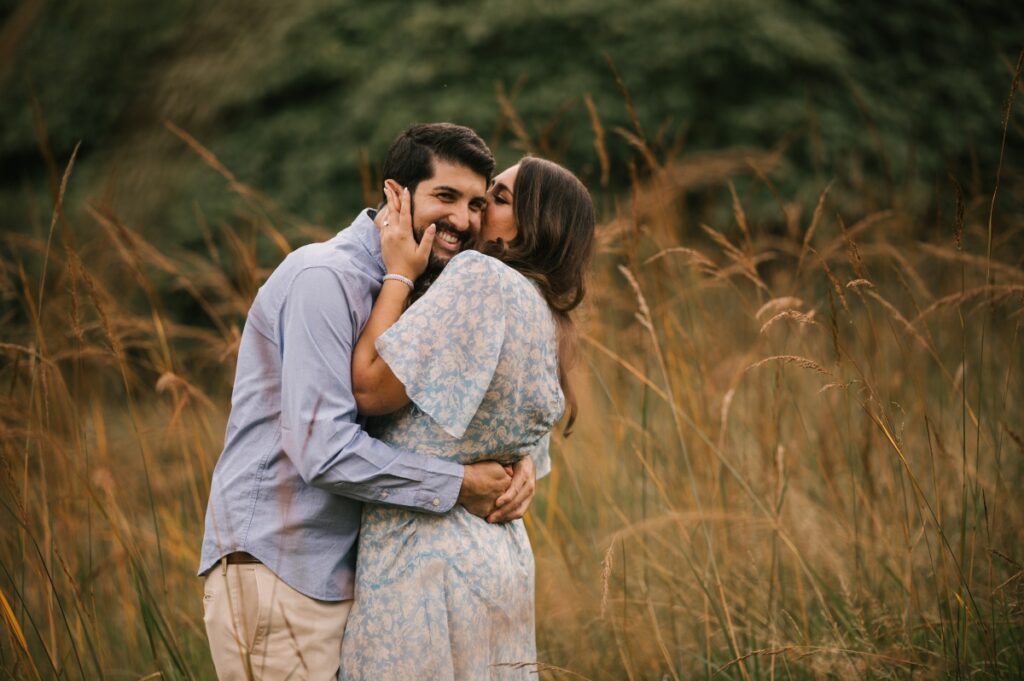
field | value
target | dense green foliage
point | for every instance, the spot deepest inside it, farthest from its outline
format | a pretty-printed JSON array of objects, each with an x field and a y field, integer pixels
[{"x": 289, "y": 95}]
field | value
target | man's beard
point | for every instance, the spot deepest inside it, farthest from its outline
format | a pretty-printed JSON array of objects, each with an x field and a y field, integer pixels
[{"x": 436, "y": 263}]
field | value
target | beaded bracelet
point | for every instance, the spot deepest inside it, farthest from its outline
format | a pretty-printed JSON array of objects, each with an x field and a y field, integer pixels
[{"x": 398, "y": 277}]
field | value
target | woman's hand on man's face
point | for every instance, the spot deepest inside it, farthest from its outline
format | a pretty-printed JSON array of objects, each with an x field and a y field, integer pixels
[{"x": 402, "y": 255}]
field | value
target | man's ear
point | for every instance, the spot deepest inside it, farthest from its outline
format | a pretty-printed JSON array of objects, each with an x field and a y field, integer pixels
[
  {"x": 397, "y": 188},
  {"x": 394, "y": 186}
]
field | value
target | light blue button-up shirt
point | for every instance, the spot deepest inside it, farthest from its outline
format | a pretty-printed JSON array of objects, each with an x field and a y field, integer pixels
[{"x": 288, "y": 487}]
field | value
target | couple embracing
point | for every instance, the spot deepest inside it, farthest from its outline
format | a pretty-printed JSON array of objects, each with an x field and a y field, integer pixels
[{"x": 366, "y": 510}]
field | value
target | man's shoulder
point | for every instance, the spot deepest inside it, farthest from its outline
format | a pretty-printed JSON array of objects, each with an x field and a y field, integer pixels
[
  {"x": 330, "y": 256},
  {"x": 331, "y": 253}
]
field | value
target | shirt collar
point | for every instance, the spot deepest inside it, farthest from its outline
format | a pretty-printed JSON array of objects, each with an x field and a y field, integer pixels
[{"x": 365, "y": 233}]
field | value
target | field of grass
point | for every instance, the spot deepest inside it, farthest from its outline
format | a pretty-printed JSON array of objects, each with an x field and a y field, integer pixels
[{"x": 800, "y": 452}]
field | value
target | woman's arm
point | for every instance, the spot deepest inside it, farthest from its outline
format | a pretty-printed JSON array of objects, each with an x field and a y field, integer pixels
[{"x": 376, "y": 389}]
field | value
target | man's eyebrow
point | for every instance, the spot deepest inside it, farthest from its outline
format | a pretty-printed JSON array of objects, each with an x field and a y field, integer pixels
[{"x": 446, "y": 189}]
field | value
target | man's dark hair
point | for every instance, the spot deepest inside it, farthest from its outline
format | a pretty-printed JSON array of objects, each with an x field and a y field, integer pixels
[{"x": 410, "y": 159}]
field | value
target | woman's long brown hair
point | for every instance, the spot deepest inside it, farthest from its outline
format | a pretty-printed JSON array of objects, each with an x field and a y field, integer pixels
[{"x": 555, "y": 222}]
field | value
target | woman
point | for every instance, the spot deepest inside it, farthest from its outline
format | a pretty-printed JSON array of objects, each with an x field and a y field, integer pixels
[{"x": 476, "y": 369}]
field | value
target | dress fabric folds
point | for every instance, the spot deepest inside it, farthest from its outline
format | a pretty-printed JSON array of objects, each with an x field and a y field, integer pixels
[{"x": 451, "y": 597}]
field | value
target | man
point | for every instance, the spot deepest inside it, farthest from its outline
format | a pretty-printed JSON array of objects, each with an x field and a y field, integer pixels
[{"x": 287, "y": 492}]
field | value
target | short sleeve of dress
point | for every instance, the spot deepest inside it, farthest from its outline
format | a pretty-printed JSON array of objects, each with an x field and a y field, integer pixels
[
  {"x": 445, "y": 347},
  {"x": 541, "y": 456}
]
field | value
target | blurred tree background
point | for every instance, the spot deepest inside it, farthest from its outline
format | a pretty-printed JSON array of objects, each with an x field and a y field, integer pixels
[{"x": 295, "y": 97}]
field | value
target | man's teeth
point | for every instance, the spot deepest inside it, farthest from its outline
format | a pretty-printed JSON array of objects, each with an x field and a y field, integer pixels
[{"x": 448, "y": 237}]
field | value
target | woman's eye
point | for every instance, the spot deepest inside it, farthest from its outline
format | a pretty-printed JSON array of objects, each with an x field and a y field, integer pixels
[{"x": 500, "y": 201}]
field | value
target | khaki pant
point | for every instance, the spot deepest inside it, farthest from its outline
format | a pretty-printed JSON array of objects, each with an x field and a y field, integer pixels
[{"x": 261, "y": 629}]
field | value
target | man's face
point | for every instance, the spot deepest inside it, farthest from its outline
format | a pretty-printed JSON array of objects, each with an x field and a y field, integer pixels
[{"x": 453, "y": 199}]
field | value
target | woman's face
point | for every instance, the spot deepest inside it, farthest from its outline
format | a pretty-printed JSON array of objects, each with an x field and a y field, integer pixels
[{"x": 498, "y": 222}]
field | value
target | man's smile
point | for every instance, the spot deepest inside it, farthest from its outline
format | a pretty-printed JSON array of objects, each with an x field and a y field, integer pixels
[{"x": 448, "y": 239}]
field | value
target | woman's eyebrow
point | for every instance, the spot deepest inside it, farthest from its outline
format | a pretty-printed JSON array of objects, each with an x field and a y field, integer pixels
[{"x": 499, "y": 187}]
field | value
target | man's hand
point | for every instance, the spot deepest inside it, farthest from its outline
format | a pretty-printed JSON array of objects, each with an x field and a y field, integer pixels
[
  {"x": 482, "y": 484},
  {"x": 513, "y": 503}
]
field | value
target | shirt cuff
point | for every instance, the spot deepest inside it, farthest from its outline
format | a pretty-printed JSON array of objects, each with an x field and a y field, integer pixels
[{"x": 435, "y": 493}]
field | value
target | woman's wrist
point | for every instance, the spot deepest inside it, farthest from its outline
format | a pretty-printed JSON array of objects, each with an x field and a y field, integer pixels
[
  {"x": 403, "y": 267},
  {"x": 399, "y": 277},
  {"x": 393, "y": 293}
]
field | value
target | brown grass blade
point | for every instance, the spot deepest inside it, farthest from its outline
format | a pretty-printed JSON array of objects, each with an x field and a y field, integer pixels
[
  {"x": 799, "y": 317},
  {"x": 819, "y": 210},
  {"x": 776, "y": 304},
  {"x": 802, "y": 362},
  {"x": 599, "y": 139}
]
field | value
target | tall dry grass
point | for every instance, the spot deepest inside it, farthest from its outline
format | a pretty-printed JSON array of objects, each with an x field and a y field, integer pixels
[{"x": 799, "y": 454}]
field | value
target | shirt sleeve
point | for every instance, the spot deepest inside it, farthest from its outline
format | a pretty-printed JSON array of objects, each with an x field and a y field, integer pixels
[
  {"x": 445, "y": 347},
  {"x": 317, "y": 330}
]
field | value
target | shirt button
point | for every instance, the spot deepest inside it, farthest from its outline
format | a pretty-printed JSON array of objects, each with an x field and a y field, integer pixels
[{"x": 436, "y": 502}]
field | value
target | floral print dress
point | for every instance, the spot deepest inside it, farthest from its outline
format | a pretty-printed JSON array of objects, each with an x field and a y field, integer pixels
[{"x": 450, "y": 597}]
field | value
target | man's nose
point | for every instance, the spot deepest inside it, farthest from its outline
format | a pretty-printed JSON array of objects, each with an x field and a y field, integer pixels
[{"x": 459, "y": 218}]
